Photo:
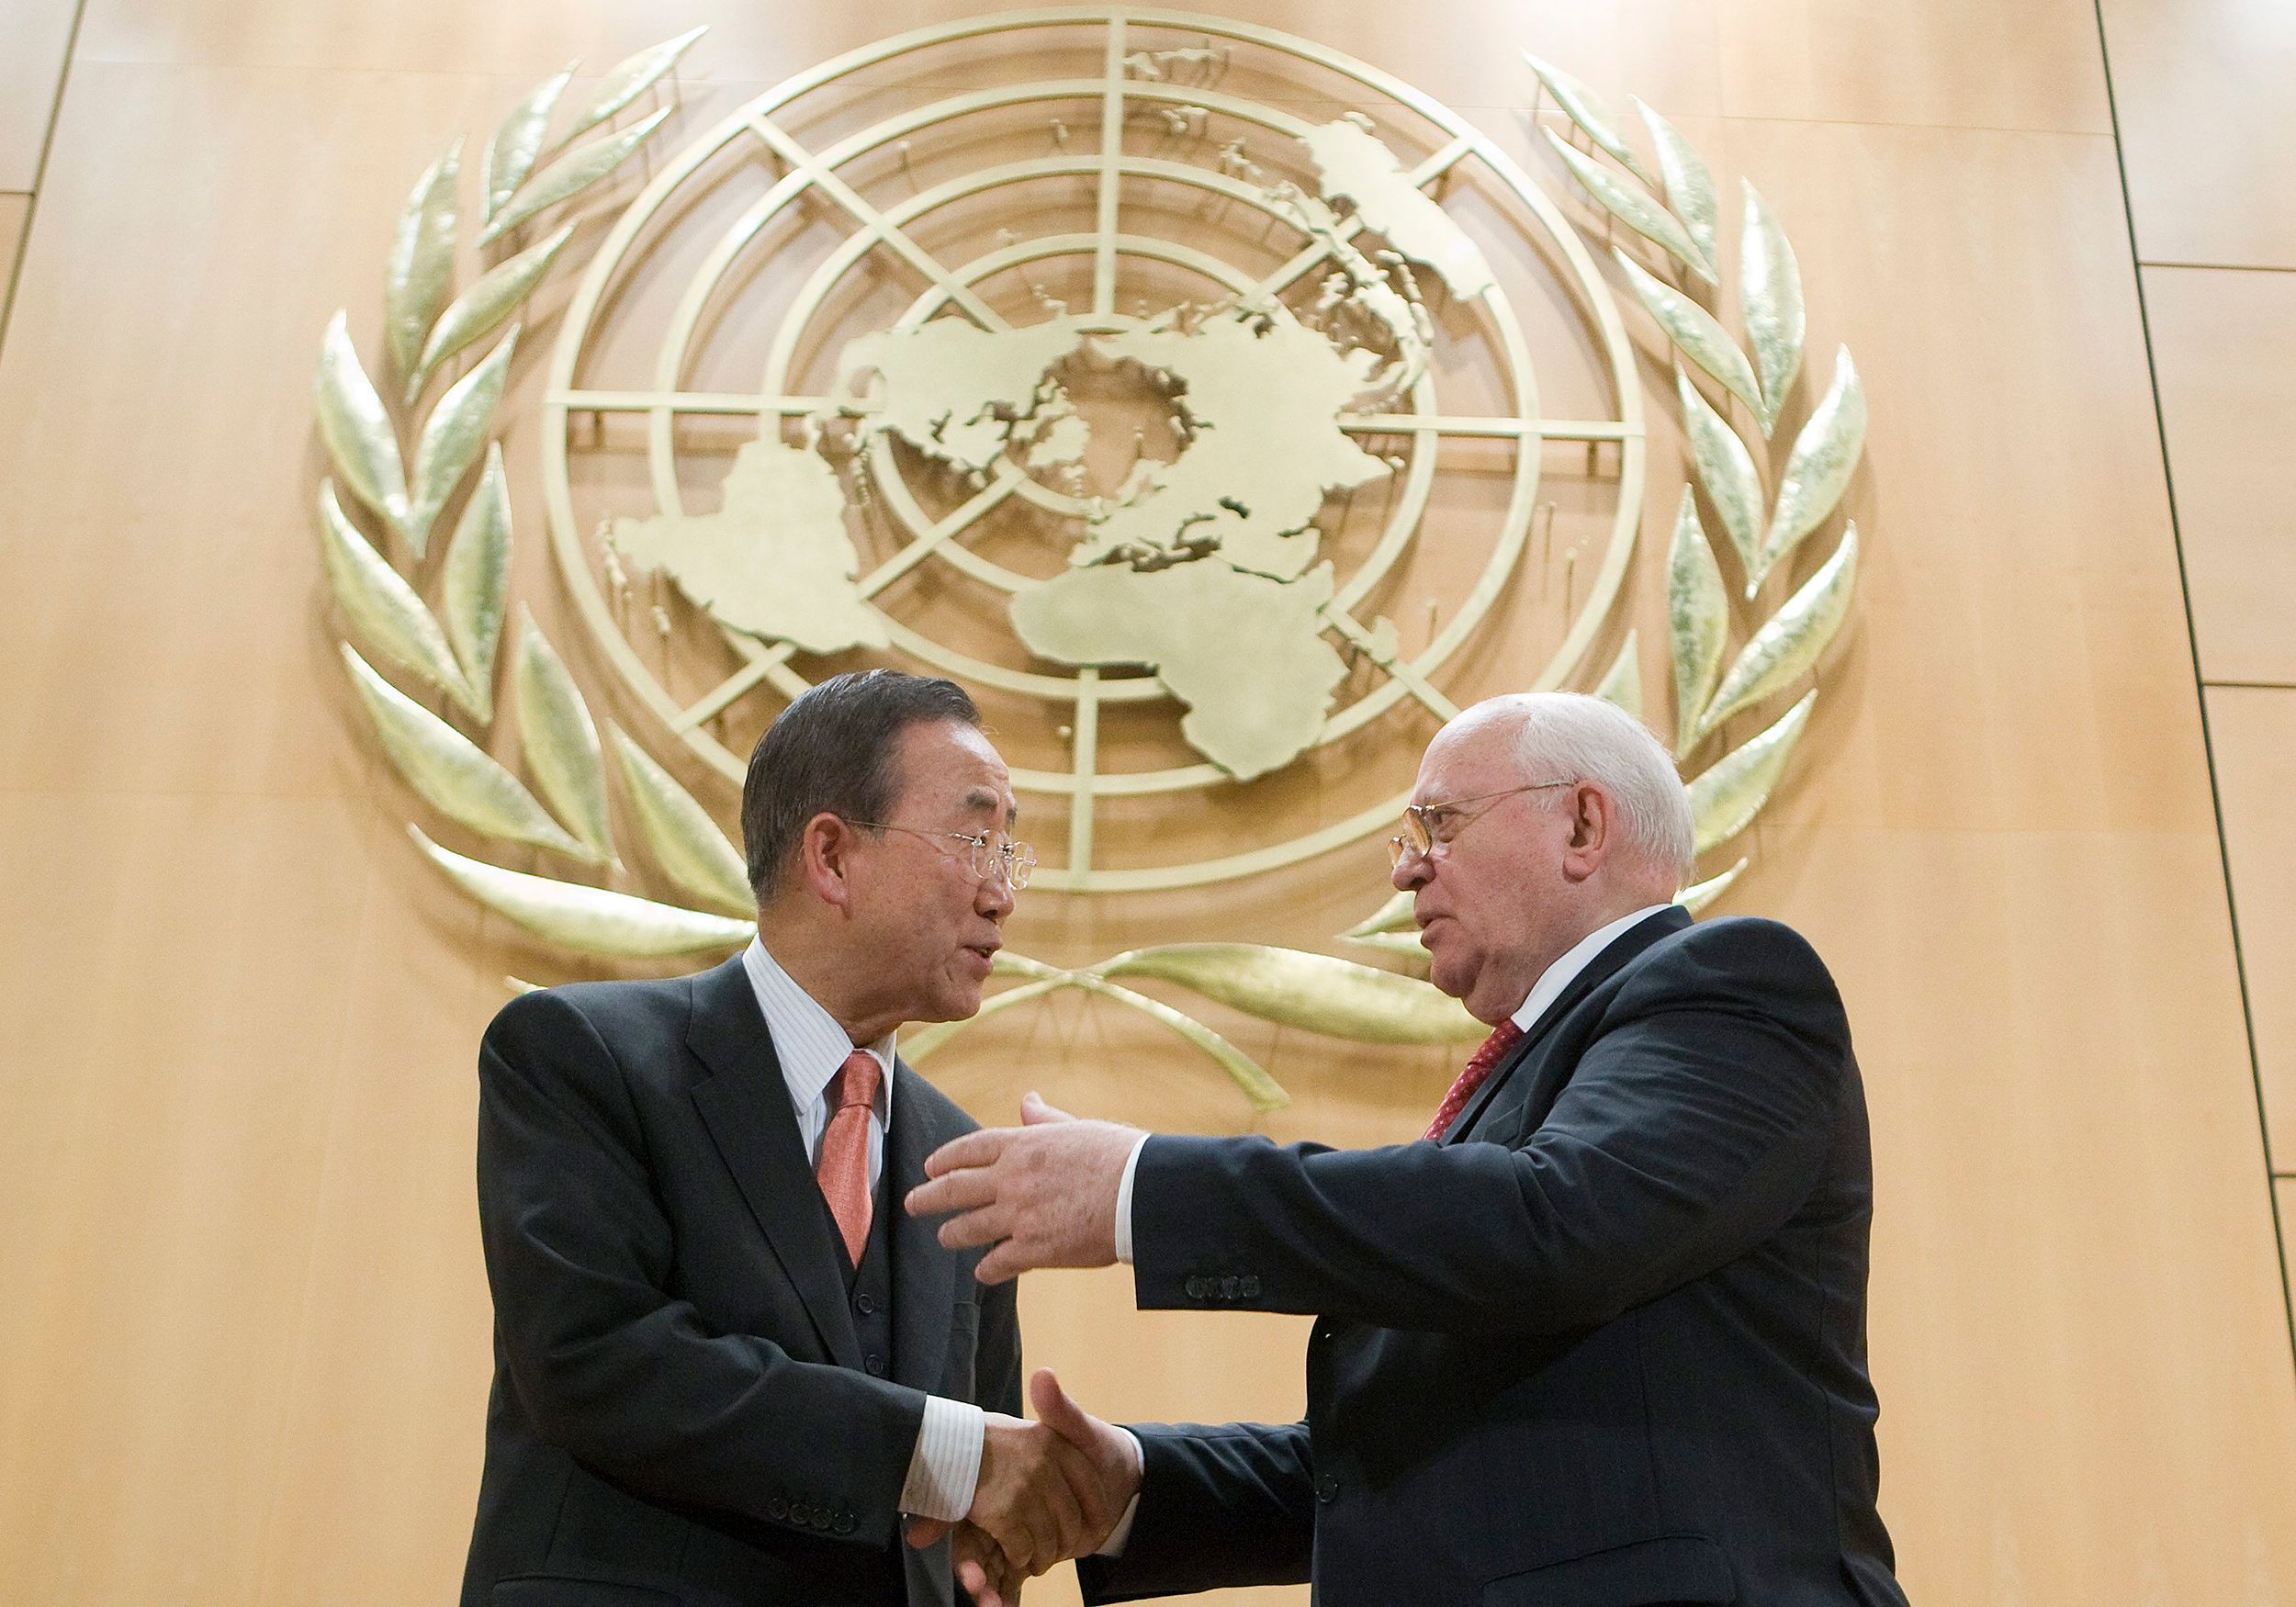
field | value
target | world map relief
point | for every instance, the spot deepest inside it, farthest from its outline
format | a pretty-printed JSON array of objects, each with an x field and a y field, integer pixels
[{"x": 1206, "y": 569}]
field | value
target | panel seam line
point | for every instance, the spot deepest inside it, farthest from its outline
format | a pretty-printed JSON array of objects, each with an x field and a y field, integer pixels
[
  {"x": 2199, "y": 686},
  {"x": 39, "y": 172}
]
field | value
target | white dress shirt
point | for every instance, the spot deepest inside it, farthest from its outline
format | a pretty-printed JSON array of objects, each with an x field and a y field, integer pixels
[
  {"x": 945, "y": 1466},
  {"x": 1564, "y": 972}
]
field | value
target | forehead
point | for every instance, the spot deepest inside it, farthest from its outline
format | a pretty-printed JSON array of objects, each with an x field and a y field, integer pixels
[
  {"x": 1464, "y": 760},
  {"x": 949, "y": 768}
]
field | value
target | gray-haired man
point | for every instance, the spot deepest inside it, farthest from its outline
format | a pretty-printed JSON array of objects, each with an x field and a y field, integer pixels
[{"x": 1598, "y": 1339}]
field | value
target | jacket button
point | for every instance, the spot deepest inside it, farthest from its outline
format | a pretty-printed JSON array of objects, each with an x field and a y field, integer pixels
[
  {"x": 1327, "y": 1488},
  {"x": 800, "y": 1515},
  {"x": 1248, "y": 1287},
  {"x": 1198, "y": 1287},
  {"x": 1227, "y": 1288},
  {"x": 845, "y": 1523},
  {"x": 776, "y": 1508},
  {"x": 821, "y": 1519},
  {"x": 874, "y": 1363},
  {"x": 865, "y": 1303}
]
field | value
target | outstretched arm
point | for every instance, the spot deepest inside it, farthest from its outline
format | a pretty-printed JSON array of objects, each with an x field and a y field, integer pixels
[{"x": 1695, "y": 1122}]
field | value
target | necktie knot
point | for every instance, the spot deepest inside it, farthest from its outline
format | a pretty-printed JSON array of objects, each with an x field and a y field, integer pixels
[
  {"x": 1503, "y": 1037},
  {"x": 1480, "y": 1065},
  {"x": 857, "y": 1081}
]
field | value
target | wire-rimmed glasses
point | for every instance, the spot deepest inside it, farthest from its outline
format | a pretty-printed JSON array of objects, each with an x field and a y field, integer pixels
[
  {"x": 991, "y": 853},
  {"x": 1426, "y": 825}
]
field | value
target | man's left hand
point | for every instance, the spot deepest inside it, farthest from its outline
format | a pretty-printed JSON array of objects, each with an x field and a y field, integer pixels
[
  {"x": 1044, "y": 1193},
  {"x": 983, "y": 1572}
]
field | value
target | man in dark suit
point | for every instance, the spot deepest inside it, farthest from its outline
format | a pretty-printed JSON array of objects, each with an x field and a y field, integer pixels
[
  {"x": 1598, "y": 1339},
  {"x": 727, "y": 1364}
]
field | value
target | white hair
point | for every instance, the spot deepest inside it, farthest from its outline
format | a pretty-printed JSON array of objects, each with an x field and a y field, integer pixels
[{"x": 1562, "y": 736}]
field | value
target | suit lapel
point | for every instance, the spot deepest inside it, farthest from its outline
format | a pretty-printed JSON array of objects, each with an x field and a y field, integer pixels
[
  {"x": 1604, "y": 965},
  {"x": 745, "y": 1105},
  {"x": 924, "y": 1274}
]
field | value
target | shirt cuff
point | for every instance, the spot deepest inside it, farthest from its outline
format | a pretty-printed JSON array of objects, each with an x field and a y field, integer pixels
[
  {"x": 1121, "y": 1535},
  {"x": 945, "y": 1468},
  {"x": 1124, "y": 1207}
]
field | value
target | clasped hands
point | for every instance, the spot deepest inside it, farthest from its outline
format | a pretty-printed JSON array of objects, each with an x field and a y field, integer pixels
[{"x": 1048, "y": 1490}]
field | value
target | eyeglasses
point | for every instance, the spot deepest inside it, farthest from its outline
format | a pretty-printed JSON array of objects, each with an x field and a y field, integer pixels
[
  {"x": 1426, "y": 825},
  {"x": 988, "y": 854}
]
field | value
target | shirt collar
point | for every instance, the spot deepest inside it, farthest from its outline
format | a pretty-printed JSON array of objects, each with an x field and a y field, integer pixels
[
  {"x": 807, "y": 1040},
  {"x": 1563, "y": 972}
]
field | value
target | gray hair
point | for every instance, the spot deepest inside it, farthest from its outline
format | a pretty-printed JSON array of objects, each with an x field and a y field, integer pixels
[
  {"x": 832, "y": 752},
  {"x": 1568, "y": 735}
]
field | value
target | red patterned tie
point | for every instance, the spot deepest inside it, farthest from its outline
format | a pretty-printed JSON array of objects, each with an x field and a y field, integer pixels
[
  {"x": 1503, "y": 1037},
  {"x": 843, "y": 1169}
]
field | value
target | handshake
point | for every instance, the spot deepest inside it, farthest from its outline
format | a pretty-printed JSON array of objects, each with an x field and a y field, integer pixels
[{"x": 1048, "y": 1490}]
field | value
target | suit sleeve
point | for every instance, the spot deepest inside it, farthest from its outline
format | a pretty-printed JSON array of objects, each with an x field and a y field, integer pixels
[
  {"x": 611, "y": 1367},
  {"x": 997, "y": 1361},
  {"x": 1696, "y": 1121},
  {"x": 1218, "y": 1507}
]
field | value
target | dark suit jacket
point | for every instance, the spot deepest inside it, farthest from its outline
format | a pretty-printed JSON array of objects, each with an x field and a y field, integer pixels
[
  {"x": 1604, "y": 1345},
  {"x": 679, "y": 1407}
]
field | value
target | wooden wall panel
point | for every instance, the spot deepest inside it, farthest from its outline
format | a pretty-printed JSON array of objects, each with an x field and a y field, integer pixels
[
  {"x": 1981, "y": 281},
  {"x": 2284, "y": 1191},
  {"x": 2208, "y": 128},
  {"x": 1662, "y": 50},
  {"x": 177, "y": 974},
  {"x": 2252, "y": 732},
  {"x": 394, "y": 1331},
  {"x": 32, "y": 72},
  {"x": 245, "y": 1357},
  {"x": 158, "y": 633},
  {"x": 2050, "y": 1036},
  {"x": 2224, "y": 347},
  {"x": 2027, "y": 64}
]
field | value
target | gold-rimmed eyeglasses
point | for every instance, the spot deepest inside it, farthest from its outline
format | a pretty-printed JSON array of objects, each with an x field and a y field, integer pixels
[
  {"x": 1426, "y": 825},
  {"x": 990, "y": 854}
]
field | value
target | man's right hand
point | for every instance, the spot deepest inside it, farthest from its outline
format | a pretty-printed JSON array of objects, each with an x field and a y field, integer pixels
[
  {"x": 1048, "y": 1490},
  {"x": 985, "y": 1574}
]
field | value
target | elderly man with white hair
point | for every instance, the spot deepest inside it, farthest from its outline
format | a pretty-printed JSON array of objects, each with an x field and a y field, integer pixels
[{"x": 1598, "y": 1339}]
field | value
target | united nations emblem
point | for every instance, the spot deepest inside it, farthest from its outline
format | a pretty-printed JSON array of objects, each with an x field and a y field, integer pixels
[{"x": 1201, "y": 399}]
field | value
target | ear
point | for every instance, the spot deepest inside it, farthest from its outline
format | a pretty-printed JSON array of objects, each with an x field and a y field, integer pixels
[
  {"x": 1592, "y": 830},
  {"x": 824, "y": 854}
]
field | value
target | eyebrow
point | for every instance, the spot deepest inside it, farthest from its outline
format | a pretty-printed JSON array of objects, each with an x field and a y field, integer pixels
[{"x": 981, "y": 798}]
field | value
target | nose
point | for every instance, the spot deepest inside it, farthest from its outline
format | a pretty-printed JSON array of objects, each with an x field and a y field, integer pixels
[
  {"x": 1411, "y": 871},
  {"x": 993, "y": 895}
]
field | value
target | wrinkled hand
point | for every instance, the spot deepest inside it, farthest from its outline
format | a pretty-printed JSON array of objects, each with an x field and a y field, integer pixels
[
  {"x": 1113, "y": 1453},
  {"x": 1039, "y": 1498},
  {"x": 1044, "y": 1193},
  {"x": 1048, "y": 1491}
]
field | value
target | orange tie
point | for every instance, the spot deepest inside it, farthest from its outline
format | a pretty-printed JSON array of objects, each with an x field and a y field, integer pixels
[
  {"x": 1479, "y": 1064},
  {"x": 843, "y": 1169}
]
